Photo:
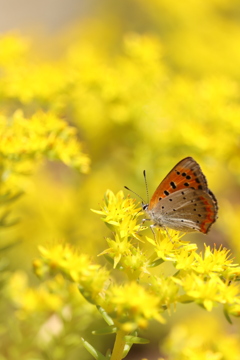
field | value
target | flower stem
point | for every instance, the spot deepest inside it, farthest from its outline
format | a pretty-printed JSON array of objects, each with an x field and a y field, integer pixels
[{"x": 119, "y": 345}]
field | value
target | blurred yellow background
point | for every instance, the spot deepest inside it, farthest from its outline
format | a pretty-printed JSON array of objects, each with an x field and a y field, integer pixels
[{"x": 146, "y": 83}]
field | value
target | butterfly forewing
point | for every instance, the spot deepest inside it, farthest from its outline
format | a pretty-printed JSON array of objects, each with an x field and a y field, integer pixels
[{"x": 186, "y": 174}]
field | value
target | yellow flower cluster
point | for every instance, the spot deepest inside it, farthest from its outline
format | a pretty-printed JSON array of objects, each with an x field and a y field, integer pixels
[
  {"x": 136, "y": 101},
  {"x": 207, "y": 278},
  {"x": 76, "y": 267},
  {"x": 131, "y": 306},
  {"x": 26, "y": 140},
  {"x": 190, "y": 340},
  {"x": 49, "y": 309},
  {"x": 120, "y": 214}
]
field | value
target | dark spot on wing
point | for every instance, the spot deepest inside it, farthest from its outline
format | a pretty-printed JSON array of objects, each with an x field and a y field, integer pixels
[{"x": 173, "y": 185}]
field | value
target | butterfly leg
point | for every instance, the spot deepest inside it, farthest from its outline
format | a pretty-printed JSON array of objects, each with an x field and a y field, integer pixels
[
  {"x": 151, "y": 227},
  {"x": 168, "y": 234},
  {"x": 142, "y": 222}
]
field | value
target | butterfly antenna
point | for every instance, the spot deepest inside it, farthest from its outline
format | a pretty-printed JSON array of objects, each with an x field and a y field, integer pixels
[
  {"x": 135, "y": 194},
  {"x": 146, "y": 185}
]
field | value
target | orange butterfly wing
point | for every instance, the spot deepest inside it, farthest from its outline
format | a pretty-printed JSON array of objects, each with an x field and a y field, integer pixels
[{"x": 186, "y": 174}]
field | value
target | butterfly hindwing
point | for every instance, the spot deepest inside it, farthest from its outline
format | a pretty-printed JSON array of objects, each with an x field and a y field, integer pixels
[{"x": 185, "y": 210}]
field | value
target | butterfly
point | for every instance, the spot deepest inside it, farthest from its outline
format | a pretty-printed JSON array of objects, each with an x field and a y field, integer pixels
[{"x": 182, "y": 201}]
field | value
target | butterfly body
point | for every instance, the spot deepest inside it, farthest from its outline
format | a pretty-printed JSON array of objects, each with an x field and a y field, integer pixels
[{"x": 183, "y": 201}]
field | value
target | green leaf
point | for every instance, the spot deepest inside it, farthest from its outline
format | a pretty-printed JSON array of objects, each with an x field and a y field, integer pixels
[
  {"x": 9, "y": 246},
  {"x": 135, "y": 340},
  {"x": 104, "y": 331},
  {"x": 227, "y": 316},
  {"x": 185, "y": 299},
  {"x": 95, "y": 353},
  {"x": 110, "y": 226},
  {"x": 8, "y": 197},
  {"x": 156, "y": 263},
  {"x": 130, "y": 340},
  {"x": 127, "y": 348},
  {"x": 3, "y": 265},
  {"x": 108, "y": 354},
  {"x": 105, "y": 316},
  {"x": 111, "y": 261},
  {"x": 176, "y": 273},
  {"x": 4, "y": 222},
  {"x": 85, "y": 294}
]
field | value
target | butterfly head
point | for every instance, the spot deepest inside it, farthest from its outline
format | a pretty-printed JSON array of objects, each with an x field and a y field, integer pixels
[{"x": 144, "y": 206}]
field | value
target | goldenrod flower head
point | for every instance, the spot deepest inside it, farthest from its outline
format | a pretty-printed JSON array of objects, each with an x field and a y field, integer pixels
[
  {"x": 192, "y": 339},
  {"x": 142, "y": 47},
  {"x": 166, "y": 289},
  {"x": 216, "y": 260},
  {"x": 125, "y": 256},
  {"x": 136, "y": 263},
  {"x": 210, "y": 261},
  {"x": 132, "y": 306},
  {"x": 76, "y": 267},
  {"x": 208, "y": 291},
  {"x": 233, "y": 310},
  {"x": 29, "y": 300},
  {"x": 23, "y": 141},
  {"x": 168, "y": 246},
  {"x": 120, "y": 214}
]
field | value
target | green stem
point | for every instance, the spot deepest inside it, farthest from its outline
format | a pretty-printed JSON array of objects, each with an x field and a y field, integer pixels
[{"x": 119, "y": 345}]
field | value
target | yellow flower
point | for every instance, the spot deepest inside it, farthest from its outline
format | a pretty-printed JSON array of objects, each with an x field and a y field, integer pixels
[
  {"x": 208, "y": 291},
  {"x": 76, "y": 267},
  {"x": 120, "y": 214},
  {"x": 169, "y": 246},
  {"x": 24, "y": 141},
  {"x": 215, "y": 261},
  {"x": 166, "y": 289},
  {"x": 131, "y": 306}
]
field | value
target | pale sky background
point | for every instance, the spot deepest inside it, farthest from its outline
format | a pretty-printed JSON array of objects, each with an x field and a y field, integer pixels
[{"x": 49, "y": 14}]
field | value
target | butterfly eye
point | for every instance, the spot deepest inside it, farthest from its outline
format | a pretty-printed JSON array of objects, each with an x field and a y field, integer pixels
[{"x": 144, "y": 207}]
